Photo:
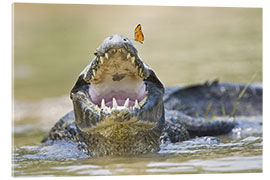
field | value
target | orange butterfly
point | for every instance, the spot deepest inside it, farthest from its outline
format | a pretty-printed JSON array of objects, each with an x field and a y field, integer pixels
[{"x": 138, "y": 34}]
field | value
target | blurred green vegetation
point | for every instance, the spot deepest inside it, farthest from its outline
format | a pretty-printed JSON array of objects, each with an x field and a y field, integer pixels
[{"x": 53, "y": 43}]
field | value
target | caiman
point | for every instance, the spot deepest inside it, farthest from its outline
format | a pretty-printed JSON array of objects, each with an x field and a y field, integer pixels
[{"x": 120, "y": 107}]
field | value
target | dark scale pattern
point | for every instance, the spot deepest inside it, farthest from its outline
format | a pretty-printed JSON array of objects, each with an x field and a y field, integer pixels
[
  {"x": 195, "y": 99},
  {"x": 174, "y": 131},
  {"x": 64, "y": 129}
]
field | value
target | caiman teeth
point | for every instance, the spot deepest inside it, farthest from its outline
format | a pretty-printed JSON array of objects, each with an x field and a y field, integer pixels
[
  {"x": 96, "y": 107},
  {"x": 128, "y": 56},
  {"x": 101, "y": 60},
  {"x": 126, "y": 102},
  {"x": 103, "y": 106},
  {"x": 140, "y": 72},
  {"x": 136, "y": 104},
  {"x": 115, "y": 106},
  {"x": 107, "y": 55},
  {"x": 114, "y": 103},
  {"x": 143, "y": 101},
  {"x": 133, "y": 60}
]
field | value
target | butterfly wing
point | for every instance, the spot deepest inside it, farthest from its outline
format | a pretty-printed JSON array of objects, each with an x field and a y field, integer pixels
[{"x": 139, "y": 34}]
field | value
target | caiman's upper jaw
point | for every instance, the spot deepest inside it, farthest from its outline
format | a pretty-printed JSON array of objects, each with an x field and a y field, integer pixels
[{"x": 116, "y": 58}]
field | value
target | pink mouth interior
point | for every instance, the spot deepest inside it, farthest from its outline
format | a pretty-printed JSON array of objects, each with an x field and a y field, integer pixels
[{"x": 120, "y": 96}]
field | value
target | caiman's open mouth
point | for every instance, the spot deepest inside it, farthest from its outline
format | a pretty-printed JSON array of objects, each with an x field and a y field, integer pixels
[
  {"x": 118, "y": 88},
  {"x": 117, "y": 81}
]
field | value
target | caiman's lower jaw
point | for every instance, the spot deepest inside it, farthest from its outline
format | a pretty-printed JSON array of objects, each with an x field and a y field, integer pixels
[{"x": 117, "y": 82}]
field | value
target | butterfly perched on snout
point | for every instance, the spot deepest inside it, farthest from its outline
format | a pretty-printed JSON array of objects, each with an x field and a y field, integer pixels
[{"x": 138, "y": 34}]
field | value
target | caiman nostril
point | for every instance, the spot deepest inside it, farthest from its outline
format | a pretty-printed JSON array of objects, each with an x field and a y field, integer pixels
[{"x": 125, "y": 39}]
